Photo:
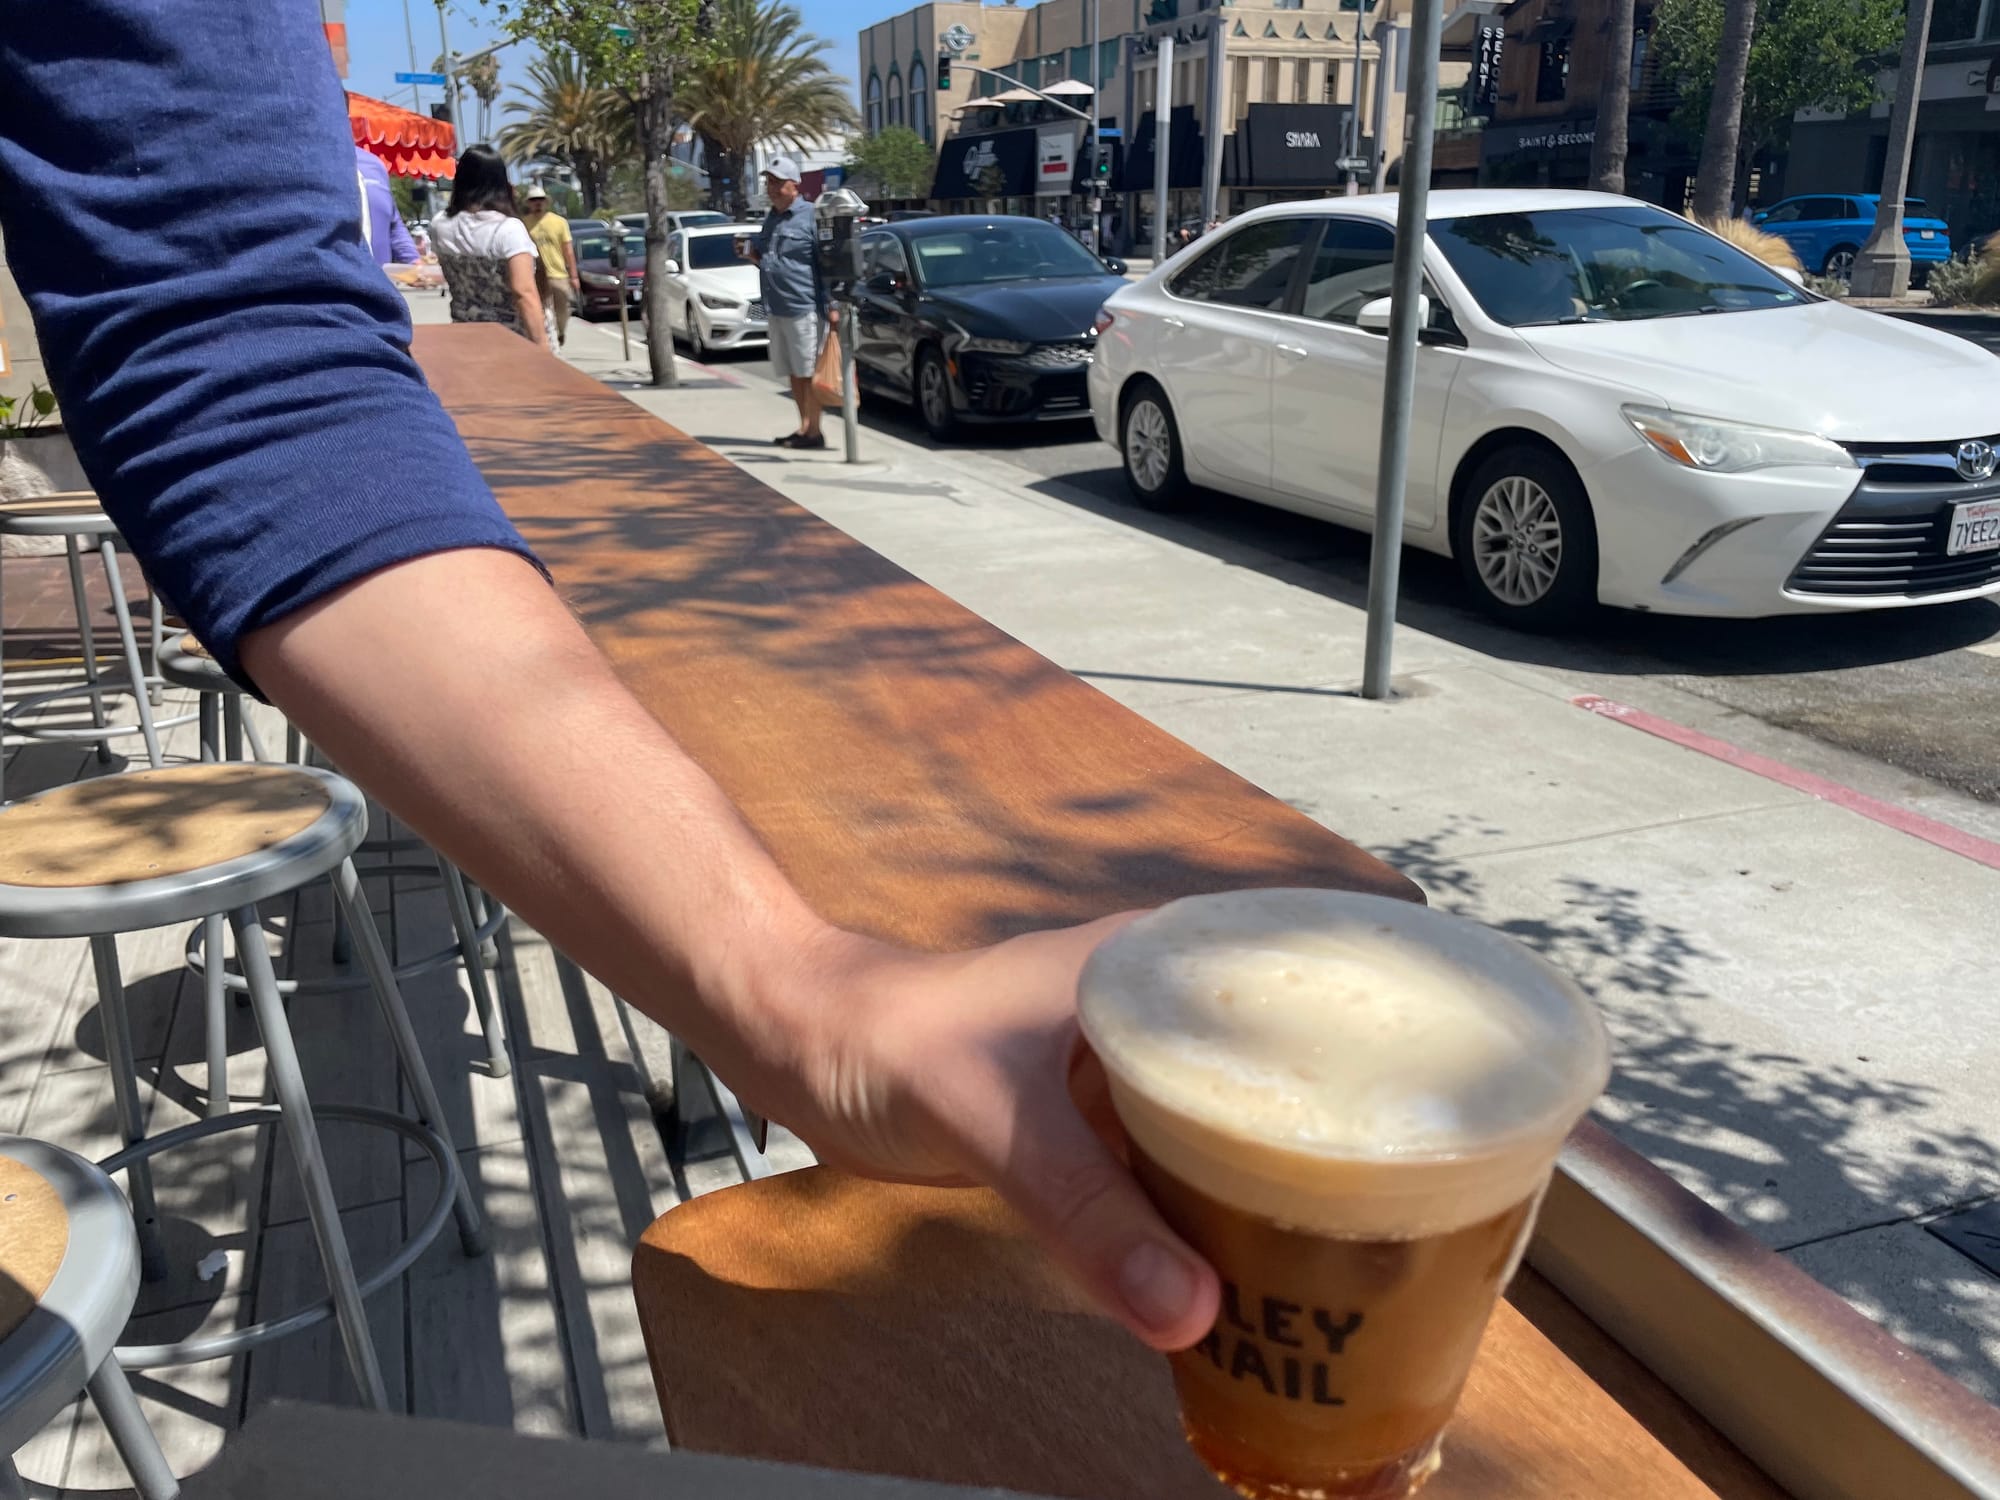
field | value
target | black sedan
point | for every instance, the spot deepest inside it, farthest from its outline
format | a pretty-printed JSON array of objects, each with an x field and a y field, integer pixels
[{"x": 979, "y": 318}]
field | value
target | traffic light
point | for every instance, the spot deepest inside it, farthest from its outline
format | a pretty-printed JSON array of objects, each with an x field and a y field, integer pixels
[{"x": 944, "y": 71}]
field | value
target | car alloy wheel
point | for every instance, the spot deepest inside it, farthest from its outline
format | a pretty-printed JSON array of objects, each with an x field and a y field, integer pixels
[
  {"x": 1149, "y": 445},
  {"x": 934, "y": 395},
  {"x": 1840, "y": 263},
  {"x": 1517, "y": 541},
  {"x": 697, "y": 345}
]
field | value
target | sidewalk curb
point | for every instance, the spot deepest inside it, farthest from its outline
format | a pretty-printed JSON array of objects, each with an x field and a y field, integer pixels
[{"x": 1901, "y": 819}]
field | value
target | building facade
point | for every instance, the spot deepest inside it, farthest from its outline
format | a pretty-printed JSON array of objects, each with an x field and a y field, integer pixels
[
  {"x": 1532, "y": 97},
  {"x": 1955, "y": 164},
  {"x": 1292, "y": 74}
]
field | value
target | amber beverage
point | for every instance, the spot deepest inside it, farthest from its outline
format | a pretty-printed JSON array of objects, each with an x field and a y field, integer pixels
[{"x": 1351, "y": 1107}]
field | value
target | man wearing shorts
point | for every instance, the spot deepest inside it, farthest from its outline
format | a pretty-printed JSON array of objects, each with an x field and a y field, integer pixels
[{"x": 785, "y": 254}]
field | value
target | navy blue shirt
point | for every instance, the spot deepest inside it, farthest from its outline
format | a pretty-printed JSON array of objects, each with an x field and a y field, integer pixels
[{"x": 178, "y": 195}]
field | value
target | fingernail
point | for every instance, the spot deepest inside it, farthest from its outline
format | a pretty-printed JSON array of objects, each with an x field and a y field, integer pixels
[{"x": 1157, "y": 1286}]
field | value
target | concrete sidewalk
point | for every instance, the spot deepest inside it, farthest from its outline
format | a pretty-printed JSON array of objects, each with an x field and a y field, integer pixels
[{"x": 1802, "y": 997}]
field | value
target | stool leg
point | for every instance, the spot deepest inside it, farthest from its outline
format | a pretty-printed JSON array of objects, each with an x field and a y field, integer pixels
[
  {"x": 475, "y": 966},
  {"x": 3, "y": 709},
  {"x": 253, "y": 739},
  {"x": 209, "y": 713},
  {"x": 215, "y": 1016},
  {"x": 131, "y": 644},
  {"x": 293, "y": 747},
  {"x": 382, "y": 976},
  {"x": 11, "y": 1487},
  {"x": 111, "y": 1394},
  {"x": 89, "y": 640},
  {"x": 154, "y": 685},
  {"x": 232, "y": 727},
  {"x": 125, "y": 1100},
  {"x": 290, "y": 1086}
]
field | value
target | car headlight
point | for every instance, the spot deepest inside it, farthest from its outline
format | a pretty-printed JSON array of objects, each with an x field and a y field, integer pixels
[
  {"x": 719, "y": 304},
  {"x": 1720, "y": 447},
  {"x": 994, "y": 346},
  {"x": 596, "y": 279}
]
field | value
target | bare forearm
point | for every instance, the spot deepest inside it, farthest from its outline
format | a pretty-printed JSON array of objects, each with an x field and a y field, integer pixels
[{"x": 463, "y": 695}]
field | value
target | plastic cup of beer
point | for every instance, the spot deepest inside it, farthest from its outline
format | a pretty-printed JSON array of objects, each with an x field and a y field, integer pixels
[{"x": 1351, "y": 1106}]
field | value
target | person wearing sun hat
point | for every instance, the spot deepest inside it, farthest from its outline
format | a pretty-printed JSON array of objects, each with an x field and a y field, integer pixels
[
  {"x": 785, "y": 252},
  {"x": 560, "y": 285}
]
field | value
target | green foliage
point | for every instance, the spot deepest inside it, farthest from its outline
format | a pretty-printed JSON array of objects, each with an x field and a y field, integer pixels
[
  {"x": 633, "y": 46},
  {"x": 566, "y": 116},
  {"x": 1967, "y": 281},
  {"x": 21, "y": 415},
  {"x": 1804, "y": 54},
  {"x": 765, "y": 80},
  {"x": 1827, "y": 286},
  {"x": 891, "y": 163}
]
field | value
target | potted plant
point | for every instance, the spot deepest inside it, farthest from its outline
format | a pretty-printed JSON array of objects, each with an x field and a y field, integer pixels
[{"x": 36, "y": 458}]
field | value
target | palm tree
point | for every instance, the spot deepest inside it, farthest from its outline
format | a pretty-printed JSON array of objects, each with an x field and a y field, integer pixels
[
  {"x": 1614, "y": 101},
  {"x": 1715, "y": 175},
  {"x": 567, "y": 117},
  {"x": 766, "y": 82},
  {"x": 482, "y": 76}
]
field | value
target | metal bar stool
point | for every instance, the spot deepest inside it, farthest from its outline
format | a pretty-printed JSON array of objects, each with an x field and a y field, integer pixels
[
  {"x": 185, "y": 662},
  {"x": 75, "y": 515},
  {"x": 152, "y": 848},
  {"x": 69, "y": 1266}
]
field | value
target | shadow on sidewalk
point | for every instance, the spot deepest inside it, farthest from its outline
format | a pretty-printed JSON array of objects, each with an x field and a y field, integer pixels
[{"x": 1754, "y": 1133}]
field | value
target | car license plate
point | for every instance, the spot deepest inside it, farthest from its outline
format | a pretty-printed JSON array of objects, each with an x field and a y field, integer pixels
[
  {"x": 1975, "y": 527},
  {"x": 1926, "y": 234}
]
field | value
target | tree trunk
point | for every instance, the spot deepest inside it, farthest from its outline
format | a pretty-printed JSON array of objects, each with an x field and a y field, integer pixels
[
  {"x": 654, "y": 111},
  {"x": 1614, "y": 102},
  {"x": 1715, "y": 177},
  {"x": 585, "y": 161},
  {"x": 739, "y": 193}
]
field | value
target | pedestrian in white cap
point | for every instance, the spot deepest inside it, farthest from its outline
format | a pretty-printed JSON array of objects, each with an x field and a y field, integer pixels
[{"x": 785, "y": 251}]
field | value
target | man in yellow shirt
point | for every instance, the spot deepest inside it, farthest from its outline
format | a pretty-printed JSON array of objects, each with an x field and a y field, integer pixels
[{"x": 550, "y": 232}]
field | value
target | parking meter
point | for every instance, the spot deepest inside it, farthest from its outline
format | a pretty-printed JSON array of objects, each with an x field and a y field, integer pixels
[
  {"x": 616, "y": 255},
  {"x": 837, "y": 221},
  {"x": 837, "y": 226}
]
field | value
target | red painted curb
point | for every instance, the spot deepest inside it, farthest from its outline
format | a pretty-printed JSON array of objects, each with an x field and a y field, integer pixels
[{"x": 1916, "y": 825}]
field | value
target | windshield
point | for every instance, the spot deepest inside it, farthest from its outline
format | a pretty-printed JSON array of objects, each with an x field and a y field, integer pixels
[
  {"x": 598, "y": 247},
  {"x": 1613, "y": 264},
  {"x": 711, "y": 252},
  {"x": 1000, "y": 250},
  {"x": 690, "y": 219}
]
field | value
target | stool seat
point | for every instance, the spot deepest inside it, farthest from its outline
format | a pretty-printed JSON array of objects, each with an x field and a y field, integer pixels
[
  {"x": 152, "y": 847},
  {"x": 185, "y": 662},
  {"x": 66, "y": 1236},
  {"x": 66, "y": 513}
]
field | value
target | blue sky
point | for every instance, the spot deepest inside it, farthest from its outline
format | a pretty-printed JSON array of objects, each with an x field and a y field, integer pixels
[{"x": 378, "y": 48}]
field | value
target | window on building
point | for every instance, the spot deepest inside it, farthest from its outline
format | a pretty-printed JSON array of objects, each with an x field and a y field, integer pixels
[
  {"x": 1107, "y": 59},
  {"x": 1251, "y": 268},
  {"x": 920, "y": 99},
  {"x": 1239, "y": 87},
  {"x": 1271, "y": 66},
  {"x": 895, "y": 98},
  {"x": 1552, "y": 78},
  {"x": 1301, "y": 81},
  {"x": 1079, "y": 64},
  {"x": 1331, "y": 93},
  {"x": 1642, "y": 45},
  {"x": 873, "y": 113},
  {"x": 1955, "y": 21},
  {"x": 1030, "y": 72}
]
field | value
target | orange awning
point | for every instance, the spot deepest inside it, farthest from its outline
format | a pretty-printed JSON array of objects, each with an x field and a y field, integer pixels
[{"x": 410, "y": 144}]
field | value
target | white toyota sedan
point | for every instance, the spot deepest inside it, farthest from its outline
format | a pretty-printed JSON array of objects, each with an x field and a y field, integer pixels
[
  {"x": 713, "y": 299},
  {"x": 1611, "y": 404}
]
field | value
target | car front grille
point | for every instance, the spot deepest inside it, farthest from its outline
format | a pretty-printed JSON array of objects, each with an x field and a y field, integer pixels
[
  {"x": 1888, "y": 540},
  {"x": 756, "y": 313}
]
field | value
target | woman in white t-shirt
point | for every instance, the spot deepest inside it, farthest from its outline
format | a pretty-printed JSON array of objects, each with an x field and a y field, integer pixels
[{"x": 483, "y": 247}]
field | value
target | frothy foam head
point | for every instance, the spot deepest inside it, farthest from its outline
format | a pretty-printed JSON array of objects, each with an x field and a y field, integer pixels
[{"x": 1305, "y": 1036}]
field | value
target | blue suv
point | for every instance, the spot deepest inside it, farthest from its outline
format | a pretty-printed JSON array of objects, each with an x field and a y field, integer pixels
[{"x": 1827, "y": 231}]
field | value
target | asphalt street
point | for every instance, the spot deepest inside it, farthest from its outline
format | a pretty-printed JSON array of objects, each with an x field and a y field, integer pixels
[{"x": 1917, "y": 690}]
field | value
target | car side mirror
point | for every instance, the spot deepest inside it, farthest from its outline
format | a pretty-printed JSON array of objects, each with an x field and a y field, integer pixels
[
  {"x": 886, "y": 283},
  {"x": 1115, "y": 266},
  {"x": 671, "y": 268},
  {"x": 1374, "y": 316},
  {"x": 1793, "y": 274},
  {"x": 1760, "y": 216}
]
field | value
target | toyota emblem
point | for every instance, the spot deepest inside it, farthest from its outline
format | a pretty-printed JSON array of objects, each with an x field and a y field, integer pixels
[{"x": 1977, "y": 460}]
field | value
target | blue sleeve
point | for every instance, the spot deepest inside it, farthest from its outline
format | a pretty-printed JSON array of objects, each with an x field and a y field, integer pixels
[
  {"x": 402, "y": 249},
  {"x": 178, "y": 196}
]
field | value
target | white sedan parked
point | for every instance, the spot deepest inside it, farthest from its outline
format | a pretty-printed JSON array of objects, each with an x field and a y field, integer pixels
[
  {"x": 713, "y": 297},
  {"x": 1611, "y": 404}
]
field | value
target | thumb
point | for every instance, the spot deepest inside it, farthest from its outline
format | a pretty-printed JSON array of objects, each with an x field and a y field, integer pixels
[{"x": 1090, "y": 1212}]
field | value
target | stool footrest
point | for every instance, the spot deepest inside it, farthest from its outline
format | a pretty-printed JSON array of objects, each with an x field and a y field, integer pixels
[
  {"x": 194, "y": 1351},
  {"x": 196, "y": 960}
]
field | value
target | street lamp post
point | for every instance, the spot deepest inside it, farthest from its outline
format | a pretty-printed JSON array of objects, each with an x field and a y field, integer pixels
[
  {"x": 451, "y": 80},
  {"x": 1096, "y": 126},
  {"x": 1354, "y": 114},
  {"x": 1882, "y": 269}
]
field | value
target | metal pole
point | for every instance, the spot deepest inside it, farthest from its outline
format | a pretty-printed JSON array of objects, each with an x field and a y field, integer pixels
[
  {"x": 1354, "y": 94},
  {"x": 1399, "y": 385},
  {"x": 850, "y": 396},
  {"x": 1882, "y": 269},
  {"x": 1211, "y": 176},
  {"x": 1163, "y": 108},
  {"x": 410, "y": 36},
  {"x": 624, "y": 314},
  {"x": 1388, "y": 52},
  {"x": 451, "y": 81},
  {"x": 1096, "y": 124}
]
